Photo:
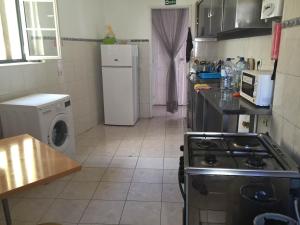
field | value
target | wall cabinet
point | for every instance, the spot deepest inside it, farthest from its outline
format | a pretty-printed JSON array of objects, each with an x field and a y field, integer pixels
[
  {"x": 229, "y": 15},
  {"x": 209, "y": 18},
  {"x": 238, "y": 18}
]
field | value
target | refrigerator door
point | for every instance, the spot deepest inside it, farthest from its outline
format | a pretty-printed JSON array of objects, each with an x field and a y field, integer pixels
[
  {"x": 118, "y": 93},
  {"x": 116, "y": 55}
]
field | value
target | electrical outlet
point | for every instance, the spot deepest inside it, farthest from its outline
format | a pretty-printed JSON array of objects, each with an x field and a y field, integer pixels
[
  {"x": 265, "y": 122},
  {"x": 60, "y": 68},
  {"x": 259, "y": 64}
]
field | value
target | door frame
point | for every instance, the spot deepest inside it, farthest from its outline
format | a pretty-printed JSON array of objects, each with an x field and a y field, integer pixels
[{"x": 191, "y": 23}]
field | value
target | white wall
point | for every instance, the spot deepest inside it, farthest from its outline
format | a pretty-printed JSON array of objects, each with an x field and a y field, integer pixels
[
  {"x": 81, "y": 60},
  {"x": 285, "y": 127},
  {"x": 81, "y": 18},
  {"x": 285, "y": 122},
  {"x": 79, "y": 78},
  {"x": 253, "y": 47},
  {"x": 131, "y": 19},
  {"x": 80, "y": 70}
]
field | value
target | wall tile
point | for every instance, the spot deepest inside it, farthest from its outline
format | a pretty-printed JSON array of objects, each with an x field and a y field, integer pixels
[
  {"x": 5, "y": 83},
  {"x": 278, "y": 93},
  {"x": 286, "y": 120},
  {"x": 145, "y": 110},
  {"x": 296, "y": 142},
  {"x": 287, "y": 138},
  {"x": 283, "y": 53},
  {"x": 253, "y": 47},
  {"x": 291, "y": 9},
  {"x": 291, "y": 51},
  {"x": 79, "y": 79},
  {"x": 144, "y": 80},
  {"x": 291, "y": 99},
  {"x": 68, "y": 51},
  {"x": 276, "y": 127}
]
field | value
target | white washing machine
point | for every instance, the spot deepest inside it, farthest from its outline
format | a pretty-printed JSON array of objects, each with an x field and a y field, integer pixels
[{"x": 47, "y": 117}]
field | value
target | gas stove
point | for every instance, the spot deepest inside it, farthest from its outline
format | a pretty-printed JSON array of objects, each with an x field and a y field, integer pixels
[
  {"x": 236, "y": 177},
  {"x": 251, "y": 152}
]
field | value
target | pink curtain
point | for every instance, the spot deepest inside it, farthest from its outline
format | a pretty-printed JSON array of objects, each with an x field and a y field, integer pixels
[{"x": 171, "y": 27}]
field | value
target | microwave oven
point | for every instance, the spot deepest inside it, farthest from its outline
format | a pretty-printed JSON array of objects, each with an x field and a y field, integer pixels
[{"x": 257, "y": 87}]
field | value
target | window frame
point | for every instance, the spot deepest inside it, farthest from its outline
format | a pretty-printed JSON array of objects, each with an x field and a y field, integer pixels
[
  {"x": 26, "y": 57},
  {"x": 24, "y": 31},
  {"x": 23, "y": 59}
]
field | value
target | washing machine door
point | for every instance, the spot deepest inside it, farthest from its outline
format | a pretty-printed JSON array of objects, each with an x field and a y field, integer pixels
[{"x": 59, "y": 136}]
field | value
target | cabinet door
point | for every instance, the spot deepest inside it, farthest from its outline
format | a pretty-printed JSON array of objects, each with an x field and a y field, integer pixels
[
  {"x": 209, "y": 18},
  {"x": 202, "y": 18},
  {"x": 216, "y": 16},
  {"x": 229, "y": 17}
]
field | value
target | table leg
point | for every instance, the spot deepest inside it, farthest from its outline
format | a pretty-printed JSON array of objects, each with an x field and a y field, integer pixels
[{"x": 6, "y": 212}]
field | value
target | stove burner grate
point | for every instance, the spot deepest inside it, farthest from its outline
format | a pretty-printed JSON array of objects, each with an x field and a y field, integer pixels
[
  {"x": 210, "y": 159},
  {"x": 255, "y": 161},
  {"x": 246, "y": 142},
  {"x": 206, "y": 144}
]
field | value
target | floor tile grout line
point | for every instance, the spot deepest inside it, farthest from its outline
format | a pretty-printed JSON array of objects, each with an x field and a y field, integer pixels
[
  {"x": 89, "y": 201},
  {"x": 82, "y": 214},
  {"x": 131, "y": 181},
  {"x": 54, "y": 199},
  {"x": 125, "y": 202},
  {"x": 162, "y": 189},
  {"x": 145, "y": 130}
]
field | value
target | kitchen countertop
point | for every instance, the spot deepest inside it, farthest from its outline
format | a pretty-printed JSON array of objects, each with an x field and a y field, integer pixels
[{"x": 225, "y": 103}]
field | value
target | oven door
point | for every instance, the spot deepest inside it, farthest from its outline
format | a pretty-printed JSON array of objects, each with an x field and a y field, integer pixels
[
  {"x": 248, "y": 87},
  {"x": 234, "y": 200}
]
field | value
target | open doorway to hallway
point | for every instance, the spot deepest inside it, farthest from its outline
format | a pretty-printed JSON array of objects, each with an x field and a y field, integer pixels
[{"x": 169, "y": 67}]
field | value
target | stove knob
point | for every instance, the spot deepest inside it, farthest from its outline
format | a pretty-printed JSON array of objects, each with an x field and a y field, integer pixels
[
  {"x": 261, "y": 196},
  {"x": 210, "y": 159}
]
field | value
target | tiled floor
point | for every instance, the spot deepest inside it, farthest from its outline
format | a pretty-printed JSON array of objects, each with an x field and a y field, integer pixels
[{"x": 129, "y": 176}]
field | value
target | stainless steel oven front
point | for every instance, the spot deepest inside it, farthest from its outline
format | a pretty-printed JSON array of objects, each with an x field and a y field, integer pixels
[{"x": 220, "y": 196}]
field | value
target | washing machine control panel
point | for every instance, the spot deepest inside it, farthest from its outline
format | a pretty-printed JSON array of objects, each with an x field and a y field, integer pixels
[{"x": 67, "y": 103}]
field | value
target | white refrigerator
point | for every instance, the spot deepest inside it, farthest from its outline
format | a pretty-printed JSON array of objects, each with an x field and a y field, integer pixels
[{"x": 120, "y": 84}]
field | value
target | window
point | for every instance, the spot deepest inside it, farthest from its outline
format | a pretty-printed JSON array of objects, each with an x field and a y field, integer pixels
[
  {"x": 28, "y": 30},
  {"x": 10, "y": 45}
]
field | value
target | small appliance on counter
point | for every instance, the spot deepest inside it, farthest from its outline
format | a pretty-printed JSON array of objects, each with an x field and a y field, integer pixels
[
  {"x": 257, "y": 87},
  {"x": 231, "y": 178}
]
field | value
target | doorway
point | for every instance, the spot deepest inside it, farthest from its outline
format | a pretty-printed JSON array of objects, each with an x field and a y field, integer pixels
[{"x": 174, "y": 27}]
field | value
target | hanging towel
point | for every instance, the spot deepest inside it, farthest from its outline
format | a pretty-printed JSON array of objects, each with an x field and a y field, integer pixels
[{"x": 189, "y": 45}]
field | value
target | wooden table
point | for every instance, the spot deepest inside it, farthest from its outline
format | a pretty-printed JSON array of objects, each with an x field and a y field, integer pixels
[{"x": 25, "y": 162}]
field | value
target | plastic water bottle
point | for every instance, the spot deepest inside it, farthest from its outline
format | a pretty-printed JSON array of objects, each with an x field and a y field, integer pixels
[
  {"x": 226, "y": 74},
  {"x": 240, "y": 66},
  {"x": 223, "y": 78}
]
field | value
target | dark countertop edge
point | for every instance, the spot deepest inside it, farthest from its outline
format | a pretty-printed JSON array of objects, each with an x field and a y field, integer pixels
[{"x": 252, "y": 109}]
